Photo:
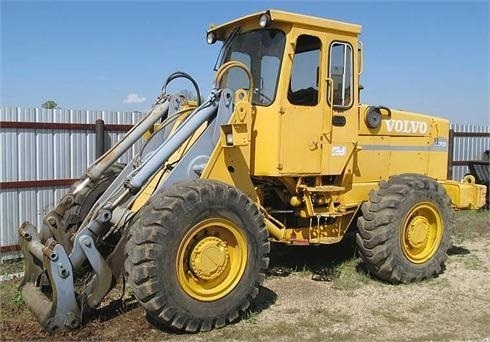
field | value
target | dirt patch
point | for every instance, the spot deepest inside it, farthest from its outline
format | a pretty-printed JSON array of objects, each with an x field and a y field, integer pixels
[{"x": 346, "y": 305}]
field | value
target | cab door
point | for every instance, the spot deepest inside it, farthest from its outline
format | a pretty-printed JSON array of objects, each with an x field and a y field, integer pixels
[
  {"x": 302, "y": 110},
  {"x": 341, "y": 106}
]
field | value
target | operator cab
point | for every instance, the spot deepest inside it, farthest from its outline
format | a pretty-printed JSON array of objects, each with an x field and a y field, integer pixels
[{"x": 304, "y": 74}]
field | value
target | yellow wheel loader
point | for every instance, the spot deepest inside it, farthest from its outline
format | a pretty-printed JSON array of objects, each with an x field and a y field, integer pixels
[{"x": 281, "y": 151}]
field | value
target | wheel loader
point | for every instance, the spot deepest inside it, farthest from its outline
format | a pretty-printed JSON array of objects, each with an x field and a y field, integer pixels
[{"x": 280, "y": 151}]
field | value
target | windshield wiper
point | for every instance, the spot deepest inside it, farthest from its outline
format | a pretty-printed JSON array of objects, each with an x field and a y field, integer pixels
[{"x": 226, "y": 43}]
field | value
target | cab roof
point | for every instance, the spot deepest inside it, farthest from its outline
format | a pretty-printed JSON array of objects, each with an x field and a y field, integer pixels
[{"x": 290, "y": 18}]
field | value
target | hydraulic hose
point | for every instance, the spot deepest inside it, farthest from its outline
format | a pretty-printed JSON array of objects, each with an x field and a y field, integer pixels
[
  {"x": 181, "y": 74},
  {"x": 223, "y": 69}
]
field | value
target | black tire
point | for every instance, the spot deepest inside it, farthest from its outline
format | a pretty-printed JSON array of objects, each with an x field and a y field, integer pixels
[
  {"x": 164, "y": 227},
  {"x": 85, "y": 199},
  {"x": 391, "y": 229}
]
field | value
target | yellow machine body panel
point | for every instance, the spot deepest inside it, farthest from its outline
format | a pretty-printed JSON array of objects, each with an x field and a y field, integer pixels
[
  {"x": 315, "y": 138},
  {"x": 318, "y": 142},
  {"x": 466, "y": 195},
  {"x": 403, "y": 143}
]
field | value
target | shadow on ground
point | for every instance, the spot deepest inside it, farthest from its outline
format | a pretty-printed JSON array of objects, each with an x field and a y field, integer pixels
[
  {"x": 108, "y": 312},
  {"x": 322, "y": 261},
  {"x": 458, "y": 250},
  {"x": 265, "y": 298}
]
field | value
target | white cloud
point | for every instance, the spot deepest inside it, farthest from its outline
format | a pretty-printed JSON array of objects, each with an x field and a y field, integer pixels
[{"x": 134, "y": 98}]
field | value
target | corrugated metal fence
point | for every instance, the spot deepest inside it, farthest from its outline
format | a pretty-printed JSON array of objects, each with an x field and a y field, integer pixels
[
  {"x": 59, "y": 144},
  {"x": 468, "y": 147},
  {"x": 41, "y": 145}
]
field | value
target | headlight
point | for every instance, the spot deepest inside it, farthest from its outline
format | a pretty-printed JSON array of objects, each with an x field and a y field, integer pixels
[
  {"x": 229, "y": 139},
  {"x": 211, "y": 38},
  {"x": 265, "y": 20}
]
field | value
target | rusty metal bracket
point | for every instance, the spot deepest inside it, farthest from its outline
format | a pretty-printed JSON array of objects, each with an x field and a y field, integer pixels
[{"x": 61, "y": 311}]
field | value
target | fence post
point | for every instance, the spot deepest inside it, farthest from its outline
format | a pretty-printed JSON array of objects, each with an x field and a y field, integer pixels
[
  {"x": 99, "y": 138},
  {"x": 450, "y": 154}
]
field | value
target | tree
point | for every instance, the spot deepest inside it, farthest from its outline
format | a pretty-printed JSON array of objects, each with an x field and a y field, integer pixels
[
  {"x": 50, "y": 104},
  {"x": 190, "y": 95}
]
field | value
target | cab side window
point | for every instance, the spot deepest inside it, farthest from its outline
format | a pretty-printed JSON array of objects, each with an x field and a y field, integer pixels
[
  {"x": 303, "y": 86},
  {"x": 340, "y": 71}
]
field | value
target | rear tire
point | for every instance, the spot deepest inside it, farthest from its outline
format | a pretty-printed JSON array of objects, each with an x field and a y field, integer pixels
[
  {"x": 196, "y": 255},
  {"x": 405, "y": 229}
]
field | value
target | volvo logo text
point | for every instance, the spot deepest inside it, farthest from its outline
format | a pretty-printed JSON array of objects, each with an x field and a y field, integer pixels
[{"x": 406, "y": 126}]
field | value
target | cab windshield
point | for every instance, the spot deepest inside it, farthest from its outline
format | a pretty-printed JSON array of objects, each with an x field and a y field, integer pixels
[{"x": 261, "y": 51}]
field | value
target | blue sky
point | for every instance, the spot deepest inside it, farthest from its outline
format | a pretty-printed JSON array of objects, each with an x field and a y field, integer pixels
[{"x": 430, "y": 57}]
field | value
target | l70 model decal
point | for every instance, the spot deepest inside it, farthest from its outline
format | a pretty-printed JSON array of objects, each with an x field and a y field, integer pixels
[{"x": 406, "y": 126}]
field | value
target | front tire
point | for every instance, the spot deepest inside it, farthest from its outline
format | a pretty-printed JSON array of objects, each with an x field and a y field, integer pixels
[
  {"x": 405, "y": 229},
  {"x": 86, "y": 198},
  {"x": 196, "y": 255}
]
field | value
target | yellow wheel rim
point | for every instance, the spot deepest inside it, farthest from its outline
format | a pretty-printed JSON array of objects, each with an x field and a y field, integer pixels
[
  {"x": 422, "y": 233},
  {"x": 211, "y": 259}
]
